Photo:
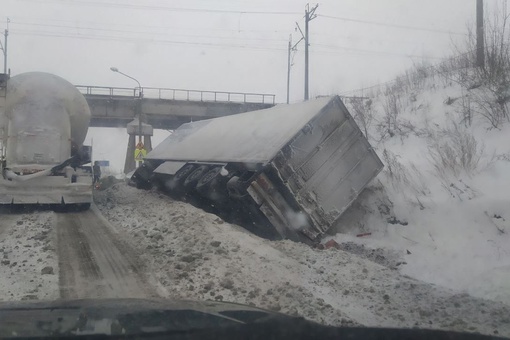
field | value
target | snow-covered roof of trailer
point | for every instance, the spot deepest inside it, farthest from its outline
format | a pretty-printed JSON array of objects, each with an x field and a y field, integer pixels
[{"x": 250, "y": 137}]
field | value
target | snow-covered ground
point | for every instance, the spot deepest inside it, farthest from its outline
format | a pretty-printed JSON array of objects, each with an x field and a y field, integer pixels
[
  {"x": 452, "y": 225},
  {"x": 196, "y": 255},
  {"x": 28, "y": 261}
]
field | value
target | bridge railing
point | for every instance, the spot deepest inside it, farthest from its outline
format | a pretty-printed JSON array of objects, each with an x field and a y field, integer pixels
[
  {"x": 178, "y": 94},
  {"x": 109, "y": 91}
]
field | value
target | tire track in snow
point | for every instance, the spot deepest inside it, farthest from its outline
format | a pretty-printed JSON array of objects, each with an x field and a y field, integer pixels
[{"x": 94, "y": 262}]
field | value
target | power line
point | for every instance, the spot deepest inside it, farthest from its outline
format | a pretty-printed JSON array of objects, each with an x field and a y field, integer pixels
[
  {"x": 368, "y": 39},
  {"x": 348, "y": 49},
  {"x": 390, "y": 25},
  {"x": 161, "y": 27},
  {"x": 162, "y": 8},
  {"x": 143, "y": 32},
  {"x": 74, "y": 27},
  {"x": 233, "y": 39},
  {"x": 208, "y": 44},
  {"x": 182, "y": 9},
  {"x": 127, "y": 39},
  {"x": 433, "y": 68}
]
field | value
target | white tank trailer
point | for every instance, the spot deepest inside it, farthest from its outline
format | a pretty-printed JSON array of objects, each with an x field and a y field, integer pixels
[{"x": 43, "y": 123}]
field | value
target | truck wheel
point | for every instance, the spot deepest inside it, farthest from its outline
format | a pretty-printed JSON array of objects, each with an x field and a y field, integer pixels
[
  {"x": 191, "y": 181},
  {"x": 142, "y": 176},
  {"x": 213, "y": 187},
  {"x": 234, "y": 188},
  {"x": 158, "y": 181},
  {"x": 183, "y": 172},
  {"x": 174, "y": 184},
  {"x": 208, "y": 178}
]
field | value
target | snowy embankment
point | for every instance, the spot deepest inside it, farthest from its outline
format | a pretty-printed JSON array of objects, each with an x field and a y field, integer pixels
[
  {"x": 196, "y": 255},
  {"x": 28, "y": 261},
  {"x": 443, "y": 198}
]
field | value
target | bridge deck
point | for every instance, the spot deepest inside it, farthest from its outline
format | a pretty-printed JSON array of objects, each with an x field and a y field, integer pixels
[{"x": 167, "y": 108}]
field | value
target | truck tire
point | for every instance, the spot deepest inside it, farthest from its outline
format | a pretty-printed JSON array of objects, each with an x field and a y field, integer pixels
[
  {"x": 174, "y": 185},
  {"x": 158, "y": 181},
  {"x": 191, "y": 181},
  {"x": 142, "y": 176},
  {"x": 183, "y": 172},
  {"x": 235, "y": 189},
  {"x": 208, "y": 178},
  {"x": 213, "y": 186}
]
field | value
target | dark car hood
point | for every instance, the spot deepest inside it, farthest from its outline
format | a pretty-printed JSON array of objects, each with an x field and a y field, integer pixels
[
  {"x": 119, "y": 316},
  {"x": 181, "y": 320}
]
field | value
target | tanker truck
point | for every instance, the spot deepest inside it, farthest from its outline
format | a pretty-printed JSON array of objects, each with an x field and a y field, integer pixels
[
  {"x": 285, "y": 172},
  {"x": 43, "y": 123}
]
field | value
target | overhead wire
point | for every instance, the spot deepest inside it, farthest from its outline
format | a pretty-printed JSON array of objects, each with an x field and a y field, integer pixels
[
  {"x": 390, "y": 25},
  {"x": 328, "y": 47},
  {"x": 195, "y": 28},
  {"x": 129, "y": 39},
  {"x": 163, "y": 27},
  {"x": 433, "y": 67},
  {"x": 207, "y": 44},
  {"x": 143, "y": 32},
  {"x": 162, "y": 8},
  {"x": 119, "y": 38},
  {"x": 348, "y": 49}
]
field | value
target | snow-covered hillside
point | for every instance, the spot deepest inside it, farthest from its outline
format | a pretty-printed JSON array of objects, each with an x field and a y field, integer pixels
[{"x": 443, "y": 198}]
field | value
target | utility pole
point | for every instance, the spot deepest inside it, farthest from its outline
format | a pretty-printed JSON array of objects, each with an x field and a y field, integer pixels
[
  {"x": 309, "y": 16},
  {"x": 6, "y": 33},
  {"x": 288, "y": 67},
  {"x": 289, "y": 63},
  {"x": 4, "y": 46},
  {"x": 480, "y": 48}
]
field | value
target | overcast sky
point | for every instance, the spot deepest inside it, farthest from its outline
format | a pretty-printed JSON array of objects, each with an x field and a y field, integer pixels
[{"x": 231, "y": 45}]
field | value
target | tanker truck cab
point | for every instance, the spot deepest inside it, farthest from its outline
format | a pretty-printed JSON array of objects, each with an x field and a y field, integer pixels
[{"x": 45, "y": 122}]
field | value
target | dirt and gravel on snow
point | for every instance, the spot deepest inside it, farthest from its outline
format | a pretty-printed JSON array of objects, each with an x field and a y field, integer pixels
[
  {"x": 28, "y": 259},
  {"x": 196, "y": 255}
]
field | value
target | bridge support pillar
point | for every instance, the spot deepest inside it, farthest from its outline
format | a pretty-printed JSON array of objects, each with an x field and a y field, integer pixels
[
  {"x": 130, "y": 164},
  {"x": 133, "y": 130}
]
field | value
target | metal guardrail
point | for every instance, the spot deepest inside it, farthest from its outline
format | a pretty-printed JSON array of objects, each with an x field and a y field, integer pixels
[{"x": 178, "y": 94}]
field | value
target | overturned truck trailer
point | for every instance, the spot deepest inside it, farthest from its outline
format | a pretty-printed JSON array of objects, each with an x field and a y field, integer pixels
[{"x": 291, "y": 169}]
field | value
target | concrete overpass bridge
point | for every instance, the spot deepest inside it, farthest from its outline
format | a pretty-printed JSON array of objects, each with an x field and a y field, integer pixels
[
  {"x": 162, "y": 108},
  {"x": 166, "y": 108}
]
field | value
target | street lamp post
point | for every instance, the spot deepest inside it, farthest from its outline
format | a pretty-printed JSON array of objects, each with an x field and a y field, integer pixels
[
  {"x": 138, "y": 104},
  {"x": 114, "y": 69}
]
